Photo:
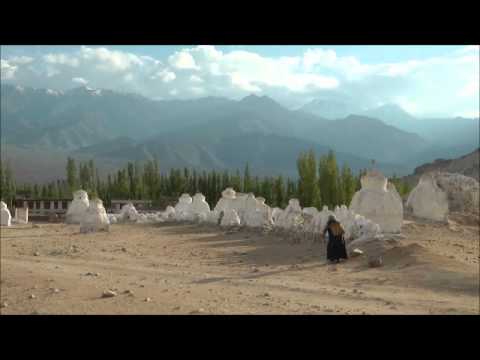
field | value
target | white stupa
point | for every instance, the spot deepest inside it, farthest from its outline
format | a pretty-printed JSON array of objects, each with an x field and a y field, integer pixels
[
  {"x": 77, "y": 208},
  {"x": 427, "y": 200},
  {"x": 230, "y": 218},
  {"x": 276, "y": 212},
  {"x": 5, "y": 216},
  {"x": 183, "y": 208},
  {"x": 379, "y": 203},
  {"x": 462, "y": 191},
  {"x": 200, "y": 207},
  {"x": 95, "y": 218},
  {"x": 227, "y": 201},
  {"x": 291, "y": 216},
  {"x": 128, "y": 213}
]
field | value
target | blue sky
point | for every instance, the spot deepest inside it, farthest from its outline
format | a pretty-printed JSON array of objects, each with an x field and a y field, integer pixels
[
  {"x": 366, "y": 53},
  {"x": 369, "y": 54},
  {"x": 424, "y": 80}
]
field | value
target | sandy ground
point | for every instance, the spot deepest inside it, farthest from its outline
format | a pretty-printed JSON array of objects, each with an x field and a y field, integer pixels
[{"x": 188, "y": 269}]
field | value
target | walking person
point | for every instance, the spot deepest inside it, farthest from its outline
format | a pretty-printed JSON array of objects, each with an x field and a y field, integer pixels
[{"x": 336, "y": 249}]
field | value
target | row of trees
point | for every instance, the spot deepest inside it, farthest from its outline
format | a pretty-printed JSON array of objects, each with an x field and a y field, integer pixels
[
  {"x": 319, "y": 183},
  {"x": 7, "y": 184},
  {"x": 323, "y": 183}
]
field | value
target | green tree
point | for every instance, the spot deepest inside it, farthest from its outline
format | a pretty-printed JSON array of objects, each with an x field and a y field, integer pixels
[
  {"x": 91, "y": 176},
  {"x": 236, "y": 181},
  {"x": 328, "y": 180},
  {"x": 7, "y": 184},
  {"x": 265, "y": 189},
  {"x": 84, "y": 175},
  {"x": 247, "y": 180},
  {"x": 291, "y": 190},
  {"x": 2, "y": 182},
  {"x": 71, "y": 175},
  {"x": 131, "y": 180},
  {"x": 279, "y": 192},
  {"x": 308, "y": 190},
  {"x": 348, "y": 184},
  {"x": 36, "y": 191},
  {"x": 151, "y": 180},
  {"x": 44, "y": 192},
  {"x": 122, "y": 184}
]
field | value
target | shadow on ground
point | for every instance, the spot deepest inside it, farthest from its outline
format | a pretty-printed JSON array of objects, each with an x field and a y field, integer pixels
[{"x": 411, "y": 265}]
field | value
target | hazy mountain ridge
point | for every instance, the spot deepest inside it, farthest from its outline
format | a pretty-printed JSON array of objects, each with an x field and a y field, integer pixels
[
  {"x": 468, "y": 165},
  {"x": 439, "y": 132},
  {"x": 331, "y": 109},
  {"x": 207, "y": 132},
  {"x": 267, "y": 154},
  {"x": 369, "y": 137}
]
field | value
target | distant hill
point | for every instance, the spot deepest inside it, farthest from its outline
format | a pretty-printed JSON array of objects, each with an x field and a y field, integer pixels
[
  {"x": 209, "y": 132},
  {"x": 468, "y": 165},
  {"x": 43, "y": 165},
  {"x": 81, "y": 117},
  {"x": 367, "y": 137},
  {"x": 266, "y": 154},
  {"x": 441, "y": 133},
  {"x": 394, "y": 115},
  {"x": 331, "y": 109},
  {"x": 450, "y": 132}
]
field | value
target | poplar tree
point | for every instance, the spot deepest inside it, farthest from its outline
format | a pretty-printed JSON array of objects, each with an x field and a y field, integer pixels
[
  {"x": 247, "y": 180},
  {"x": 308, "y": 190},
  {"x": 131, "y": 180},
  {"x": 279, "y": 192},
  {"x": 71, "y": 175},
  {"x": 291, "y": 190},
  {"x": 348, "y": 184},
  {"x": 2, "y": 182},
  {"x": 328, "y": 180}
]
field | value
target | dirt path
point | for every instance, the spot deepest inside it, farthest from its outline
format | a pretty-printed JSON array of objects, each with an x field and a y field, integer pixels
[{"x": 183, "y": 269}]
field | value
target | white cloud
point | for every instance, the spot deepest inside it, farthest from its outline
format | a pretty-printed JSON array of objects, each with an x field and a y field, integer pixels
[
  {"x": 165, "y": 75},
  {"x": 80, "y": 80},
  {"x": 468, "y": 114},
  {"x": 182, "y": 60},
  {"x": 471, "y": 89},
  {"x": 469, "y": 49},
  {"x": 197, "y": 90},
  {"x": 52, "y": 71},
  {"x": 209, "y": 52},
  {"x": 320, "y": 59},
  {"x": 315, "y": 57},
  {"x": 239, "y": 81},
  {"x": 441, "y": 83},
  {"x": 21, "y": 60},
  {"x": 407, "y": 104},
  {"x": 7, "y": 70},
  {"x": 196, "y": 79},
  {"x": 112, "y": 60},
  {"x": 400, "y": 69},
  {"x": 53, "y": 92},
  {"x": 61, "y": 59},
  {"x": 250, "y": 72}
]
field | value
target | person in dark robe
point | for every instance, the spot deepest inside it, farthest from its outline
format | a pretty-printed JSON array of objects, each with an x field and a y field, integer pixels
[{"x": 336, "y": 248}]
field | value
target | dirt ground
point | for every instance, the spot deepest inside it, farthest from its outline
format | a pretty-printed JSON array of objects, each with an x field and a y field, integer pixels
[{"x": 189, "y": 269}]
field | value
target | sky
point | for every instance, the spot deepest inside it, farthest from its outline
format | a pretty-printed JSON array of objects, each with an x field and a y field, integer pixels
[{"x": 426, "y": 81}]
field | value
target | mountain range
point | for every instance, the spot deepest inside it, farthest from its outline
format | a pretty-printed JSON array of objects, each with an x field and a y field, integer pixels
[
  {"x": 441, "y": 133},
  {"x": 210, "y": 133},
  {"x": 468, "y": 165}
]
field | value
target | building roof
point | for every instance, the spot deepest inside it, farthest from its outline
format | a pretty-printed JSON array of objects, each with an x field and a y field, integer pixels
[{"x": 42, "y": 199}]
